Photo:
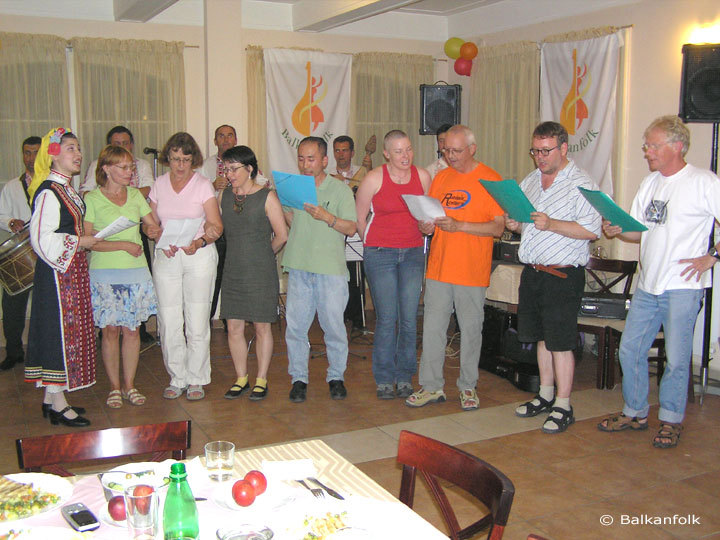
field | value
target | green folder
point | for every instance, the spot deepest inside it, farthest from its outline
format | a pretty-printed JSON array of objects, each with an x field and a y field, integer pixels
[
  {"x": 609, "y": 210},
  {"x": 511, "y": 199}
]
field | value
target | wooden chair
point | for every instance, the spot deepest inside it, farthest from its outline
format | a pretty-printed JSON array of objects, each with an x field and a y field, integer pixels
[
  {"x": 438, "y": 461},
  {"x": 622, "y": 270},
  {"x": 49, "y": 451}
]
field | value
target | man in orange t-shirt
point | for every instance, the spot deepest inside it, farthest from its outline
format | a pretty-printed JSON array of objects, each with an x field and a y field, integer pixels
[{"x": 458, "y": 271}]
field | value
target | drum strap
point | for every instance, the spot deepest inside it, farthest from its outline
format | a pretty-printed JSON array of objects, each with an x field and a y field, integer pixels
[{"x": 25, "y": 188}]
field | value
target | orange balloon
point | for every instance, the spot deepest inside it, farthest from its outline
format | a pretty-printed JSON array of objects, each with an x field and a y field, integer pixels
[{"x": 468, "y": 50}]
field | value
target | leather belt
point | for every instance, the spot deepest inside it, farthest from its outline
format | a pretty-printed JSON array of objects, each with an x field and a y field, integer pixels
[{"x": 551, "y": 269}]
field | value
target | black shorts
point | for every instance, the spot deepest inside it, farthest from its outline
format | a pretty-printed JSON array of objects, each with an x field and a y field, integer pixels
[{"x": 548, "y": 307}]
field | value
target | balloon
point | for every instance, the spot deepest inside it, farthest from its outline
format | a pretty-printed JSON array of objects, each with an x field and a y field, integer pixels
[
  {"x": 463, "y": 66},
  {"x": 468, "y": 51},
  {"x": 452, "y": 47}
]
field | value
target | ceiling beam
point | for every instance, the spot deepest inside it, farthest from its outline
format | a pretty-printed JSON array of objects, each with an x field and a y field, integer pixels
[
  {"x": 139, "y": 10},
  {"x": 321, "y": 15}
]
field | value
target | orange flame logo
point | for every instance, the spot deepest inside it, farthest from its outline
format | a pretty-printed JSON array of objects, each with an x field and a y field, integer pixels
[
  {"x": 574, "y": 108},
  {"x": 307, "y": 115}
]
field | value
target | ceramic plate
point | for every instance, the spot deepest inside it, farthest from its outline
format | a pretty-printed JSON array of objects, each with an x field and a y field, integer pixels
[
  {"x": 49, "y": 483},
  {"x": 150, "y": 473},
  {"x": 43, "y": 533}
]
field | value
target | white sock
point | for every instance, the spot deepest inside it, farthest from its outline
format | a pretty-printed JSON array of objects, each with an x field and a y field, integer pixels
[{"x": 546, "y": 392}]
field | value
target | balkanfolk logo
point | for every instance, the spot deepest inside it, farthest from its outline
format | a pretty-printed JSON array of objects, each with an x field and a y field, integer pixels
[
  {"x": 574, "y": 110},
  {"x": 307, "y": 115}
]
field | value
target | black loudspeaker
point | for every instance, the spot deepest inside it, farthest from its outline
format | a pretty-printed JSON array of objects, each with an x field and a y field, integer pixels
[
  {"x": 700, "y": 83},
  {"x": 439, "y": 104}
]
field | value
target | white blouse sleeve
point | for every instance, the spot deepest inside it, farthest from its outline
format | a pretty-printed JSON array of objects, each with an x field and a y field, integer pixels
[{"x": 56, "y": 249}]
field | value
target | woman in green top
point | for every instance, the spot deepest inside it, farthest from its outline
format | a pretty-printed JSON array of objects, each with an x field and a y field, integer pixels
[{"x": 120, "y": 282}]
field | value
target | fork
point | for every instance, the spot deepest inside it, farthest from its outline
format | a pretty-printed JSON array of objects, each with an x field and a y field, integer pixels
[{"x": 317, "y": 492}]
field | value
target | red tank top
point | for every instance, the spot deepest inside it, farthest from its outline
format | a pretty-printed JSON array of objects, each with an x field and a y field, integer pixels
[{"x": 391, "y": 224}]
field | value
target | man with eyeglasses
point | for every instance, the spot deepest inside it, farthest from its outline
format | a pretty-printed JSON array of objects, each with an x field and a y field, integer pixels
[
  {"x": 14, "y": 214},
  {"x": 440, "y": 164},
  {"x": 142, "y": 178},
  {"x": 555, "y": 249},
  {"x": 678, "y": 204},
  {"x": 458, "y": 269}
]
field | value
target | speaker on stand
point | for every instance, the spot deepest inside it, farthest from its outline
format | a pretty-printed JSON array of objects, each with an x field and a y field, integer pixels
[
  {"x": 439, "y": 104},
  {"x": 700, "y": 102}
]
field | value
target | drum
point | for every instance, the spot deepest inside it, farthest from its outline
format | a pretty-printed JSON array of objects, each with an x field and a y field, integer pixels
[{"x": 17, "y": 263}]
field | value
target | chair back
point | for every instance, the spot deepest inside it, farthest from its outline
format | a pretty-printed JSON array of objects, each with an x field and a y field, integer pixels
[
  {"x": 49, "y": 451},
  {"x": 624, "y": 269},
  {"x": 439, "y": 461}
]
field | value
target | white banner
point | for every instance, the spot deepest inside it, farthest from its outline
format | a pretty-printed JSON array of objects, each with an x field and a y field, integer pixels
[
  {"x": 308, "y": 94},
  {"x": 578, "y": 90}
]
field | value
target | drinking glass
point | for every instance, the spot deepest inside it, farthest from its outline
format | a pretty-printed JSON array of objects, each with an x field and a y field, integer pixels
[
  {"x": 219, "y": 460},
  {"x": 141, "y": 511}
]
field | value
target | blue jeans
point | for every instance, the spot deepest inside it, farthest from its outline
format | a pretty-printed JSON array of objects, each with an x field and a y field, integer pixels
[
  {"x": 676, "y": 310},
  {"x": 395, "y": 277},
  {"x": 308, "y": 293}
]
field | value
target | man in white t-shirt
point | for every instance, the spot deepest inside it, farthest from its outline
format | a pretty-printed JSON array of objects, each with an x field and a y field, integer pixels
[
  {"x": 678, "y": 204},
  {"x": 440, "y": 164},
  {"x": 143, "y": 179}
]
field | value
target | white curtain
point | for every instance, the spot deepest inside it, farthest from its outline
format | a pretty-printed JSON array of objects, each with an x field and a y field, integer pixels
[
  {"x": 139, "y": 84},
  {"x": 33, "y": 93}
]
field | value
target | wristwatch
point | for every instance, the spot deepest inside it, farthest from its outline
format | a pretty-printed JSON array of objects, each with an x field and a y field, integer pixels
[
  {"x": 204, "y": 242},
  {"x": 714, "y": 253}
]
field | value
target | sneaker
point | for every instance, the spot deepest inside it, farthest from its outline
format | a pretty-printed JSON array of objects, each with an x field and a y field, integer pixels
[
  {"x": 404, "y": 390},
  {"x": 385, "y": 391},
  {"x": 422, "y": 397},
  {"x": 469, "y": 400},
  {"x": 337, "y": 389},
  {"x": 298, "y": 392}
]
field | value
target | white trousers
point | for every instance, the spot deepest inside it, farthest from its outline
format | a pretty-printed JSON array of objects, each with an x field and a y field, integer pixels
[{"x": 184, "y": 286}]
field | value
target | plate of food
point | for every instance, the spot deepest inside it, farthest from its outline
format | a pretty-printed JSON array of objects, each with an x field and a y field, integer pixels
[
  {"x": 25, "y": 494},
  {"x": 150, "y": 473},
  {"x": 41, "y": 533}
]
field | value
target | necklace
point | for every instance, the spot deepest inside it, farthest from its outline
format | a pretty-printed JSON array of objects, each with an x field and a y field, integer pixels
[{"x": 239, "y": 203}]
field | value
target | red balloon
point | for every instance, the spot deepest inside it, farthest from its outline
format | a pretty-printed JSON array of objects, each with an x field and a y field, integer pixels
[
  {"x": 463, "y": 66},
  {"x": 468, "y": 50}
]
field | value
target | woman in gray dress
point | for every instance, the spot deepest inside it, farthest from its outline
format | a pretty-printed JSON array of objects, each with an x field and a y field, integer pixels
[{"x": 255, "y": 230}]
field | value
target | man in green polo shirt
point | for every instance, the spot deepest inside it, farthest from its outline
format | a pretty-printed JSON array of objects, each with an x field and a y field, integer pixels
[{"x": 317, "y": 283}]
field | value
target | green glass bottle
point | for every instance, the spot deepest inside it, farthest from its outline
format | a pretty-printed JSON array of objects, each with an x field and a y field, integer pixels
[{"x": 180, "y": 515}]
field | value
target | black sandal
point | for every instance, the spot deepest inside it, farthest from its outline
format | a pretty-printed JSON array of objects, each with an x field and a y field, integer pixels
[
  {"x": 236, "y": 391},
  {"x": 562, "y": 423},
  {"x": 258, "y": 392},
  {"x": 533, "y": 410}
]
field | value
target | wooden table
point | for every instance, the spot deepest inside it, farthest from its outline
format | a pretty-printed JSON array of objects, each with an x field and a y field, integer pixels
[{"x": 363, "y": 497}]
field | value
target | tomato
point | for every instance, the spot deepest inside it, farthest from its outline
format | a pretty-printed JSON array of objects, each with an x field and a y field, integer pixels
[
  {"x": 143, "y": 505},
  {"x": 243, "y": 493},
  {"x": 257, "y": 480}
]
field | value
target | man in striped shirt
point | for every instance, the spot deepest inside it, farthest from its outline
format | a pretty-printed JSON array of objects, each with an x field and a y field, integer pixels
[{"x": 554, "y": 248}]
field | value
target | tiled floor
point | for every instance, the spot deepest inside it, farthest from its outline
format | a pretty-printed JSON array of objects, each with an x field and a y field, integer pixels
[{"x": 564, "y": 483}]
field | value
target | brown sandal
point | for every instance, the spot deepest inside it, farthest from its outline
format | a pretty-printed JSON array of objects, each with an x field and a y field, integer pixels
[
  {"x": 668, "y": 435},
  {"x": 622, "y": 422}
]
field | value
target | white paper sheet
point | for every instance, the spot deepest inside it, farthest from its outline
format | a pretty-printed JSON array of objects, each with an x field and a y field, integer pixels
[
  {"x": 120, "y": 224},
  {"x": 424, "y": 208},
  {"x": 178, "y": 232}
]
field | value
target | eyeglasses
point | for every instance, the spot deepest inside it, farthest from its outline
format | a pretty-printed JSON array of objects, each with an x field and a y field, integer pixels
[
  {"x": 654, "y": 147},
  {"x": 534, "y": 152},
  {"x": 125, "y": 167},
  {"x": 181, "y": 159},
  {"x": 454, "y": 151},
  {"x": 234, "y": 169}
]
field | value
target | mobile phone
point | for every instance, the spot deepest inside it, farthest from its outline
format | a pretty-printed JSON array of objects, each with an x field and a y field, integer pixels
[{"x": 80, "y": 517}]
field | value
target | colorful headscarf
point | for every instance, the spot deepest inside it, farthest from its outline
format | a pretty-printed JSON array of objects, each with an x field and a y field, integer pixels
[{"x": 50, "y": 146}]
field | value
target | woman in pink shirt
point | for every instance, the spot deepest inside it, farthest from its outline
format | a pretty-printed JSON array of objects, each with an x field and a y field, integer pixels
[{"x": 184, "y": 275}]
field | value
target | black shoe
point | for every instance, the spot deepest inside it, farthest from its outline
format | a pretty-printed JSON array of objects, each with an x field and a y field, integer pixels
[
  {"x": 259, "y": 392},
  {"x": 298, "y": 392},
  {"x": 9, "y": 363},
  {"x": 46, "y": 408},
  {"x": 146, "y": 338},
  {"x": 337, "y": 390},
  {"x": 60, "y": 418},
  {"x": 236, "y": 391}
]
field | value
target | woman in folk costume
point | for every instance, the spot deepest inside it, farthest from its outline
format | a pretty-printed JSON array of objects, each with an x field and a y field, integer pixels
[{"x": 61, "y": 341}]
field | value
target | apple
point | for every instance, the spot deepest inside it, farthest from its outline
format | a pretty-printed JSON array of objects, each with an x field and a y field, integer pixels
[
  {"x": 243, "y": 493},
  {"x": 257, "y": 480},
  {"x": 143, "y": 505},
  {"x": 116, "y": 508}
]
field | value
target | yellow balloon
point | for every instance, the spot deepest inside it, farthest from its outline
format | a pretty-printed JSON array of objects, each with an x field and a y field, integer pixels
[{"x": 452, "y": 47}]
